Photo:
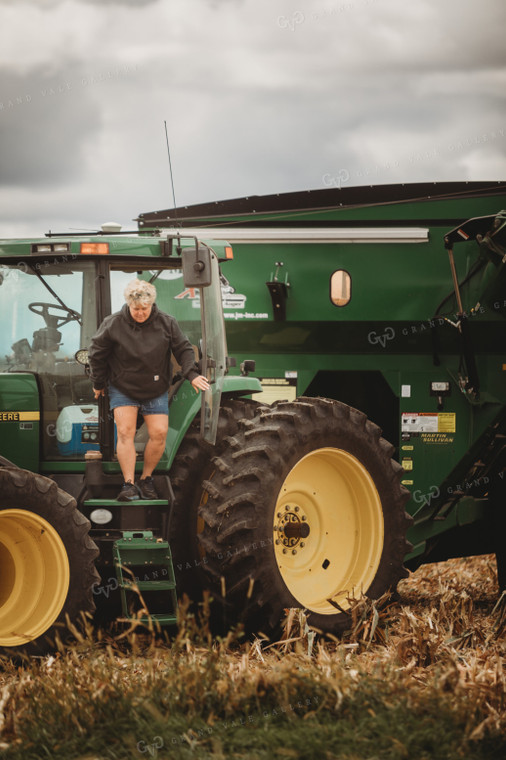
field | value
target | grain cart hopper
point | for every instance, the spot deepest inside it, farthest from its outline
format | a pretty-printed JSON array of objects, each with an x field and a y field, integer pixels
[{"x": 392, "y": 301}]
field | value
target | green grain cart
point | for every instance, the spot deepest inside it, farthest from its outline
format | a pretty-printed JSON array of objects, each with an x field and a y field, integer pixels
[{"x": 390, "y": 300}]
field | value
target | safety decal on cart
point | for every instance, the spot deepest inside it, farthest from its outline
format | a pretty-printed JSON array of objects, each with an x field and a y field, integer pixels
[
  {"x": 446, "y": 422},
  {"x": 428, "y": 422}
]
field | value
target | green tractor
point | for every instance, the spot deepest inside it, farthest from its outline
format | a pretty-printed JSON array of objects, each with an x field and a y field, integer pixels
[{"x": 67, "y": 546}]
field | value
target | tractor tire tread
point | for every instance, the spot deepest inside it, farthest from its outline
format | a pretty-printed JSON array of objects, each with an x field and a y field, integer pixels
[
  {"x": 23, "y": 489},
  {"x": 242, "y": 480}
]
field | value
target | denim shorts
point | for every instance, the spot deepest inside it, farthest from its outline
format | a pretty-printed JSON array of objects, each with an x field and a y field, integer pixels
[{"x": 159, "y": 405}]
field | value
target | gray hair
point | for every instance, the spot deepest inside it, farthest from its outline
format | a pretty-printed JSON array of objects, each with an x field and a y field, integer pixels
[{"x": 140, "y": 290}]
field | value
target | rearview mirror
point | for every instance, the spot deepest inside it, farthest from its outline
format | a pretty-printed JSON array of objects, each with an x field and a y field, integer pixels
[{"x": 196, "y": 267}]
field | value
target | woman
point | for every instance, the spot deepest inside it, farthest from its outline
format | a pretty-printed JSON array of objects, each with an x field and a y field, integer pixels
[{"x": 130, "y": 354}]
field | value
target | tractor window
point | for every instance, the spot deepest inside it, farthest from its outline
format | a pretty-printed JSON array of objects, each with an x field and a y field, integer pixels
[
  {"x": 172, "y": 297},
  {"x": 340, "y": 287},
  {"x": 48, "y": 312},
  {"x": 185, "y": 305}
]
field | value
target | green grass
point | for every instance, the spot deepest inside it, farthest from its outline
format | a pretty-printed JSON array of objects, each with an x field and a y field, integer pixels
[{"x": 423, "y": 681}]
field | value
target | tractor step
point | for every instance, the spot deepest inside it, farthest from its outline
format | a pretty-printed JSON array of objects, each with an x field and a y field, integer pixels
[
  {"x": 97, "y": 503},
  {"x": 159, "y": 618},
  {"x": 140, "y": 558},
  {"x": 151, "y": 585},
  {"x": 108, "y": 515}
]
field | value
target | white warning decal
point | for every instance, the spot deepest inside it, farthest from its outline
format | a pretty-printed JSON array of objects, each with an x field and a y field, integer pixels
[{"x": 428, "y": 422}]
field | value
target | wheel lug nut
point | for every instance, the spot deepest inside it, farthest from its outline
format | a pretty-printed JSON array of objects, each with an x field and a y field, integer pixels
[
  {"x": 284, "y": 551},
  {"x": 294, "y": 551},
  {"x": 278, "y": 541},
  {"x": 302, "y": 544},
  {"x": 296, "y": 509}
]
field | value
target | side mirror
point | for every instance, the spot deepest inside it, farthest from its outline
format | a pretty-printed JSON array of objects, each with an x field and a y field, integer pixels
[{"x": 196, "y": 267}]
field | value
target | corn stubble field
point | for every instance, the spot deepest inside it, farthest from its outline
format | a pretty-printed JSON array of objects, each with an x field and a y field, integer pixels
[{"x": 420, "y": 677}]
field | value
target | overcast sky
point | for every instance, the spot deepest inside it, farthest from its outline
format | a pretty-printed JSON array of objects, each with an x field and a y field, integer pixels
[{"x": 258, "y": 97}]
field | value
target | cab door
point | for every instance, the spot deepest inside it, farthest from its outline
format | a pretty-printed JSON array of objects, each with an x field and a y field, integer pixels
[{"x": 214, "y": 352}]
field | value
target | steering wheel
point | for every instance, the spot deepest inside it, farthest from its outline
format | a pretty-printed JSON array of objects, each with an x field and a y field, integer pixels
[{"x": 53, "y": 320}]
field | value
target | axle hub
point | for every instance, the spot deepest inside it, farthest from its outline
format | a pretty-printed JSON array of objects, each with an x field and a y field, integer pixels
[
  {"x": 291, "y": 528},
  {"x": 296, "y": 529}
]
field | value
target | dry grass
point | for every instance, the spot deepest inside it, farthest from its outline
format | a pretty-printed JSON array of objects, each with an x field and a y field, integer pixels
[{"x": 421, "y": 678}]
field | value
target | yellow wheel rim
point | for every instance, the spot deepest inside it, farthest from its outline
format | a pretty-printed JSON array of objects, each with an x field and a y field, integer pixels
[
  {"x": 34, "y": 576},
  {"x": 328, "y": 530}
]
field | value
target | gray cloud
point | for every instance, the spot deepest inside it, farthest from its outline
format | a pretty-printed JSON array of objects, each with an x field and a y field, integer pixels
[
  {"x": 53, "y": 3},
  {"x": 126, "y": 3},
  {"x": 46, "y": 127},
  {"x": 258, "y": 98}
]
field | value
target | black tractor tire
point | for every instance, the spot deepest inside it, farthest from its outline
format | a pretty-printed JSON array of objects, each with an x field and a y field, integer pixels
[
  {"x": 305, "y": 510},
  {"x": 47, "y": 563},
  {"x": 191, "y": 467}
]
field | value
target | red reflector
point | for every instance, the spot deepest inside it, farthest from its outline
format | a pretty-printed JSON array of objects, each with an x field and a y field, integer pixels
[
  {"x": 95, "y": 248},
  {"x": 229, "y": 254}
]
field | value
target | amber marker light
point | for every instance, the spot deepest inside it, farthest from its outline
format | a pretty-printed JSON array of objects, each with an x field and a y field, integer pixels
[
  {"x": 229, "y": 254},
  {"x": 95, "y": 248}
]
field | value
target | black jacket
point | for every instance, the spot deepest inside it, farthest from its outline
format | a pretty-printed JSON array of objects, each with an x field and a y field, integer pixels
[{"x": 135, "y": 356}]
